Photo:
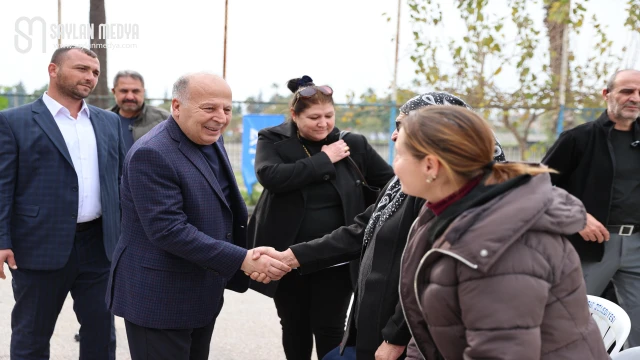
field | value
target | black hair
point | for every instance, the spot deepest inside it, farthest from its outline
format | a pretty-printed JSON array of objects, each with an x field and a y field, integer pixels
[{"x": 300, "y": 104}]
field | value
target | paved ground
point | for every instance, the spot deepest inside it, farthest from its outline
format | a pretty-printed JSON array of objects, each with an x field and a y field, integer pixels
[{"x": 248, "y": 328}]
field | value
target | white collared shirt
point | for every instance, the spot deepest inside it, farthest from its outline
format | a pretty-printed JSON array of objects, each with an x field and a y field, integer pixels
[{"x": 80, "y": 138}]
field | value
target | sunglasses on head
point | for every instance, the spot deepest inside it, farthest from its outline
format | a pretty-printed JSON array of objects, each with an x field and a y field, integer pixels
[{"x": 309, "y": 91}]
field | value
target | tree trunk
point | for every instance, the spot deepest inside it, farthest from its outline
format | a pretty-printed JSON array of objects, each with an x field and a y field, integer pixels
[
  {"x": 97, "y": 16},
  {"x": 556, "y": 13},
  {"x": 527, "y": 119}
]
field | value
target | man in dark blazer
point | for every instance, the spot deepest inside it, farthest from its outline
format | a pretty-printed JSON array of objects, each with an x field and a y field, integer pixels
[
  {"x": 60, "y": 161},
  {"x": 183, "y": 228}
]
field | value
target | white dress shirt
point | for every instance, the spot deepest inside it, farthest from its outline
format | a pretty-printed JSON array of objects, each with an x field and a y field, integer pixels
[{"x": 80, "y": 138}]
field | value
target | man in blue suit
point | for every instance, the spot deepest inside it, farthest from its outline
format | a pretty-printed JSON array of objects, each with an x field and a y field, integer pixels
[
  {"x": 183, "y": 228},
  {"x": 60, "y": 161}
]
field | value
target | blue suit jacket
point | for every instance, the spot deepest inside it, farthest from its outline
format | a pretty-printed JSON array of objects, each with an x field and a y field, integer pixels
[
  {"x": 181, "y": 242},
  {"x": 39, "y": 185}
]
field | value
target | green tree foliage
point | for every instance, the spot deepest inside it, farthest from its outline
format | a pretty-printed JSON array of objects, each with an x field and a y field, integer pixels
[
  {"x": 17, "y": 95},
  {"x": 475, "y": 66},
  {"x": 41, "y": 90}
]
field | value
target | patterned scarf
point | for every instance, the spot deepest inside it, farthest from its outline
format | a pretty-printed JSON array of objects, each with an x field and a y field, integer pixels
[
  {"x": 393, "y": 197},
  {"x": 387, "y": 206},
  {"x": 444, "y": 98}
]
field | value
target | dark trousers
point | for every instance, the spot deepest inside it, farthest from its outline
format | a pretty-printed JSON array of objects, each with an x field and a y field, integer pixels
[
  {"x": 610, "y": 293},
  {"x": 40, "y": 295},
  {"x": 158, "y": 344},
  {"x": 314, "y": 304}
]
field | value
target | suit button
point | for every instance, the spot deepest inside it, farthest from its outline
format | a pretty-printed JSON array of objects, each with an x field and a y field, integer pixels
[
  {"x": 74, "y": 215},
  {"x": 326, "y": 177},
  {"x": 228, "y": 235},
  {"x": 75, "y": 188},
  {"x": 358, "y": 182}
]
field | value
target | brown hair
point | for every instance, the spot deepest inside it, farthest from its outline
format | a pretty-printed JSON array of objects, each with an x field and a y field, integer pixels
[
  {"x": 59, "y": 55},
  {"x": 461, "y": 140},
  {"x": 304, "y": 103}
]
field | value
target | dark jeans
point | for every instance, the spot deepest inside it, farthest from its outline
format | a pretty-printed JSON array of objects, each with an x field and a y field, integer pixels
[
  {"x": 40, "y": 294},
  {"x": 349, "y": 354},
  {"x": 314, "y": 304},
  {"x": 158, "y": 344}
]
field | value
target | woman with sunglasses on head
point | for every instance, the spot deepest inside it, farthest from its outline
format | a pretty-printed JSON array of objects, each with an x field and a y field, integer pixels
[
  {"x": 376, "y": 327},
  {"x": 312, "y": 179},
  {"x": 487, "y": 272}
]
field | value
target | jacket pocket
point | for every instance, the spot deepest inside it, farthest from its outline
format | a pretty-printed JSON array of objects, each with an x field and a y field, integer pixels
[
  {"x": 26, "y": 210},
  {"x": 168, "y": 262}
]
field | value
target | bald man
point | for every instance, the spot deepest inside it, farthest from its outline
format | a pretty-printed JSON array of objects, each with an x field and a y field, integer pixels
[
  {"x": 599, "y": 163},
  {"x": 183, "y": 228}
]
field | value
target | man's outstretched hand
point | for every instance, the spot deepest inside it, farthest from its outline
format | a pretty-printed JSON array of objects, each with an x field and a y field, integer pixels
[
  {"x": 6, "y": 255},
  {"x": 266, "y": 267},
  {"x": 286, "y": 257}
]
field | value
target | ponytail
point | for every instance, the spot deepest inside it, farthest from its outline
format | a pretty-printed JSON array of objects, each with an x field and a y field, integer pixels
[{"x": 503, "y": 171}]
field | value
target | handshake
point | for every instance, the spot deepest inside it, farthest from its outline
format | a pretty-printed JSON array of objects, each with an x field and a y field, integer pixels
[{"x": 264, "y": 264}]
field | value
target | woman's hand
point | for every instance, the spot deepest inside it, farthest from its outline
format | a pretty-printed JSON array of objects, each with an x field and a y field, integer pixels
[{"x": 336, "y": 151}]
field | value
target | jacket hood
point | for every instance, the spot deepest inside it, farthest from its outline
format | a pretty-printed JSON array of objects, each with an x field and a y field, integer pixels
[{"x": 482, "y": 234}]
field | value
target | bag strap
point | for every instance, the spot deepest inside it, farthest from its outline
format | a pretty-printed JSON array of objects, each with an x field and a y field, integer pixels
[
  {"x": 351, "y": 161},
  {"x": 355, "y": 166}
]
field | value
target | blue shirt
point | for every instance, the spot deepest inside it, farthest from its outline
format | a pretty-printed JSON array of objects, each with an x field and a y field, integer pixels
[
  {"x": 127, "y": 132},
  {"x": 215, "y": 160}
]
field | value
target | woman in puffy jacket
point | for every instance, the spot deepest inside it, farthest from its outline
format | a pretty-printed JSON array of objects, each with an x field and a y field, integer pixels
[{"x": 488, "y": 272}]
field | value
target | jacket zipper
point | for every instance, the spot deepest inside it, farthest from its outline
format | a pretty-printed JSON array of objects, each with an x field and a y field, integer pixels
[
  {"x": 445, "y": 252},
  {"x": 400, "y": 284},
  {"x": 613, "y": 163},
  {"x": 415, "y": 280}
]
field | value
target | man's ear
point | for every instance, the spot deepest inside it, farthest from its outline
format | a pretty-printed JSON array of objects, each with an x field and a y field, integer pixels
[
  {"x": 175, "y": 108},
  {"x": 52, "y": 69}
]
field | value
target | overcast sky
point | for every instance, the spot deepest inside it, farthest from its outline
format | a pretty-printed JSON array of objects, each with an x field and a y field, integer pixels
[{"x": 344, "y": 43}]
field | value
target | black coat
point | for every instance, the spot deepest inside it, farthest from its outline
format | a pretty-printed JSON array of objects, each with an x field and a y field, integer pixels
[
  {"x": 585, "y": 162},
  {"x": 284, "y": 170},
  {"x": 380, "y": 315}
]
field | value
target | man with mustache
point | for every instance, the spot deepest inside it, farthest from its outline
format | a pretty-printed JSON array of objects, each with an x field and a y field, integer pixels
[
  {"x": 599, "y": 163},
  {"x": 137, "y": 118},
  {"x": 60, "y": 166}
]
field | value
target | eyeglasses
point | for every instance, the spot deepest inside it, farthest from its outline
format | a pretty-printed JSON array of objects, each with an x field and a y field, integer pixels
[{"x": 309, "y": 91}]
